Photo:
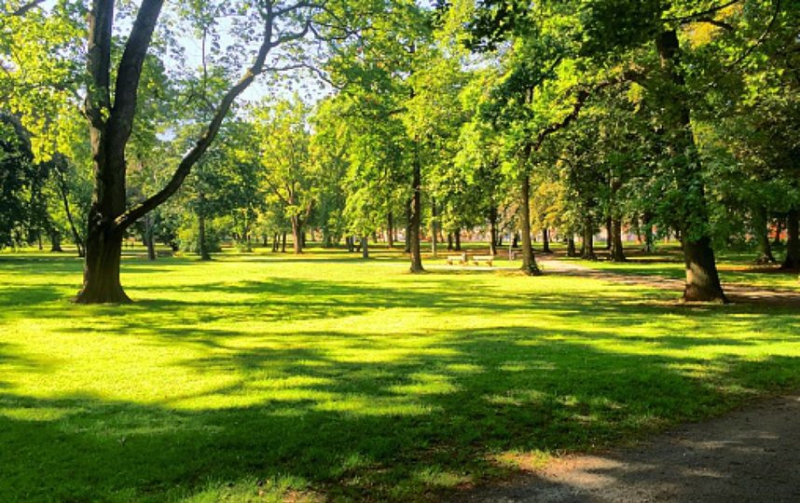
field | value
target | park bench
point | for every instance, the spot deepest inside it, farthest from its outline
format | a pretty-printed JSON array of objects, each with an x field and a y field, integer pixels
[
  {"x": 461, "y": 259},
  {"x": 477, "y": 259}
]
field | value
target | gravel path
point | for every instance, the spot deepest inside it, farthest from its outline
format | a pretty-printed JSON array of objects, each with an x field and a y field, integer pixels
[{"x": 747, "y": 456}]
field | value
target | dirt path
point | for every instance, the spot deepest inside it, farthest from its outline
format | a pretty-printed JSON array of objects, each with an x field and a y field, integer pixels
[
  {"x": 747, "y": 456},
  {"x": 737, "y": 293}
]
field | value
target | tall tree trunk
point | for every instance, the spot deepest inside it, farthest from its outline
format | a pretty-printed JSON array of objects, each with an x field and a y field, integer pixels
[
  {"x": 407, "y": 243},
  {"x": 546, "y": 241},
  {"x": 434, "y": 233},
  {"x": 416, "y": 213},
  {"x": 778, "y": 232},
  {"x": 617, "y": 251},
  {"x": 529, "y": 265},
  {"x": 390, "y": 230},
  {"x": 55, "y": 241},
  {"x": 702, "y": 278},
  {"x": 364, "y": 247},
  {"x": 792, "y": 260},
  {"x": 201, "y": 237},
  {"x": 149, "y": 239},
  {"x": 457, "y": 236},
  {"x": 297, "y": 235},
  {"x": 609, "y": 232},
  {"x": 515, "y": 239},
  {"x": 493, "y": 237},
  {"x": 587, "y": 248},
  {"x": 647, "y": 225},
  {"x": 283, "y": 242},
  {"x": 571, "y": 252},
  {"x": 761, "y": 229}
]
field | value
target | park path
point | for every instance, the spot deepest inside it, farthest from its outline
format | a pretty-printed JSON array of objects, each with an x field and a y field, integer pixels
[
  {"x": 736, "y": 292},
  {"x": 747, "y": 456}
]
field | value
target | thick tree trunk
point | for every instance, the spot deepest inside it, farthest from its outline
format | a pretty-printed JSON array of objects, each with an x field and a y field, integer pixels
[
  {"x": 449, "y": 241},
  {"x": 416, "y": 214},
  {"x": 792, "y": 260},
  {"x": 283, "y": 242},
  {"x": 457, "y": 236},
  {"x": 702, "y": 278},
  {"x": 571, "y": 252},
  {"x": 149, "y": 240},
  {"x": 364, "y": 247},
  {"x": 778, "y": 231},
  {"x": 609, "y": 232},
  {"x": 587, "y": 248},
  {"x": 529, "y": 265},
  {"x": 297, "y": 235},
  {"x": 101, "y": 283},
  {"x": 617, "y": 252},
  {"x": 55, "y": 242},
  {"x": 761, "y": 230},
  {"x": 546, "y": 241},
  {"x": 515, "y": 240},
  {"x": 202, "y": 239}
]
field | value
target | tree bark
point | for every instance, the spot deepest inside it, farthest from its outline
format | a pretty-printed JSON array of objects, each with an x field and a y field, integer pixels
[
  {"x": 761, "y": 230},
  {"x": 617, "y": 252},
  {"x": 149, "y": 240},
  {"x": 283, "y": 242},
  {"x": 529, "y": 265},
  {"x": 546, "y": 241},
  {"x": 702, "y": 278},
  {"x": 571, "y": 252},
  {"x": 493, "y": 231},
  {"x": 416, "y": 213},
  {"x": 457, "y": 236},
  {"x": 609, "y": 233},
  {"x": 434, "y": 233},
  {"x": 792, "y": 260},
  {"x": 587, "y": 248},
  {"x": 364, "y": 247},
  {"x": 390, "y": 231},
  {"x": 201, "y": 238},
  {"x": 55, "y": 242},
  {"x": 297, "y": 235}
]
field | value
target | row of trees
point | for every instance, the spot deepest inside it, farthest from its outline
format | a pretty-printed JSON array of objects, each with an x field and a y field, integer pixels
[{"x": 661, "y": 117}]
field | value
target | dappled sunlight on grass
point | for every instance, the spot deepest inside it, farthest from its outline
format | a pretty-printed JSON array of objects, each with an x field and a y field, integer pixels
[{"x": 256, "y": 376}]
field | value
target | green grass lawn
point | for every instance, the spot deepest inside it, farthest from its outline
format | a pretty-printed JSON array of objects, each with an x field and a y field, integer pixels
[{"x": 265, "y": 377}]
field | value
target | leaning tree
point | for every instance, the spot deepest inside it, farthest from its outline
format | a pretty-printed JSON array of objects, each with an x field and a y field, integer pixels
[{"x": 275, "y": 35}]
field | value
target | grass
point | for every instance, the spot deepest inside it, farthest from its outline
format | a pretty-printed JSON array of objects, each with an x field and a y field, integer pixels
[{"x": 270, "y": 377}]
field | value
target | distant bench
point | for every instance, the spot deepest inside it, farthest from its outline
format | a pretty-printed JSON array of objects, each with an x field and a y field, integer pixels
[
  {"x": 477, "y": 259},
  {"x": 461, "y": 259}
]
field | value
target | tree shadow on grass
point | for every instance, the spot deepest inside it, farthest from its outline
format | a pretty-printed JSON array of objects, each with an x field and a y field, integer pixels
[{"x": 364, "y": 420}]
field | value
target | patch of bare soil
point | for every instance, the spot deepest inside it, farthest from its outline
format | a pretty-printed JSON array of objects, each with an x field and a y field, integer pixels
[{"x": 748, "y": 456}]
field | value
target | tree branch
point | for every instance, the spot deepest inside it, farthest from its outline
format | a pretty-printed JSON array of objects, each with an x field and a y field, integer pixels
[
  {"x": 24, "y": 8},
  {"x": 190, "y": 159},
  {"x": 130, "y": 71}
]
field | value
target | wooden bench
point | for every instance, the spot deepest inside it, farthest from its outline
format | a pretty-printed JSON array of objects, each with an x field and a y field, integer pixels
[
  {"x": 477, "y": 259},
  {"x": 461, "y": 259}
]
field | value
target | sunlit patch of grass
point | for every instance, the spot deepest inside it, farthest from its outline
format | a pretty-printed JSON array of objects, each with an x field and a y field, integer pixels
[{"x": 264, "y": 377}]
